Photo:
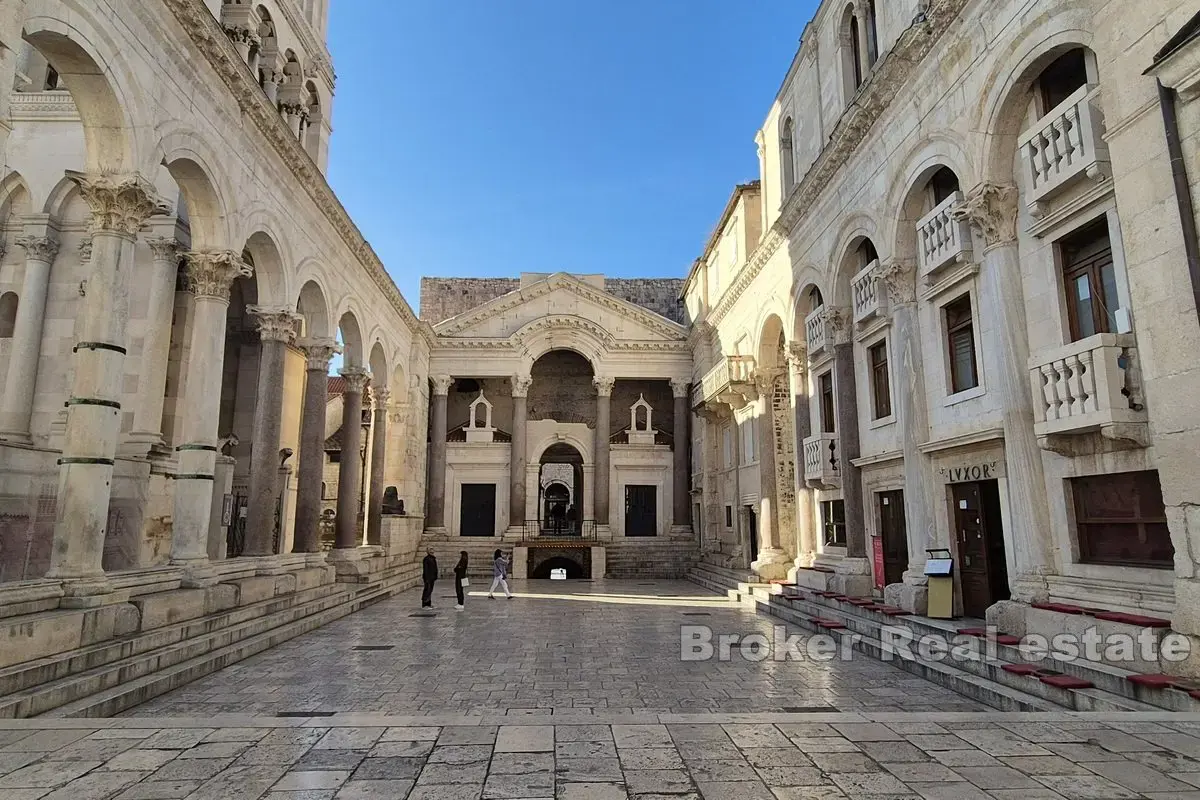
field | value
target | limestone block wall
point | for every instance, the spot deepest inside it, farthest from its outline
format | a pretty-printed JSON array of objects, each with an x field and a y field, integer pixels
[{"x": 443, "y": 298}]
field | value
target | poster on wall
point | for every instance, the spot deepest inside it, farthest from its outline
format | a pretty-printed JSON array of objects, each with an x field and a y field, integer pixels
[{"x": 877, "y": 555}]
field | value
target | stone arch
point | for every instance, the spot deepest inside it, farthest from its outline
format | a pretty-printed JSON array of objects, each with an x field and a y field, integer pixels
[
  {"x": 380, "y": 375},
  {"x": 857, "y": 229},
  {"x": 313, "y": 309},
  {"x": 270, "y": 279},
  {"x": 62, "y": 195},
  {"x": 586, "y": 450},
  {"x": 576, "y": 334},
  {"x": 771, "y": 339},
  {"x": 15, "y": 198},
  {"x": 351, "y": 337},
  {"x": 802, "y": 302},
  {"x": 908, "y": 196},
  {"x": 87, "y": 63},
  {"x": 1002, "y": 110},
  {"x": 205, "y": 187}
]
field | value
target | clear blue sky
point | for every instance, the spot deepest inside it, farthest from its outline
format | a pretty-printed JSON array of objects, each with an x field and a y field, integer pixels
[{"x": 489, "y": 137}]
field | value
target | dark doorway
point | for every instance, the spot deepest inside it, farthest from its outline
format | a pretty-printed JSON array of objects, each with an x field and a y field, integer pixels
[
  {"x": 982, "y": 563},
  {"x": 641, "y": 514},
  {"x": 752, "y": 531},
  {"x": 560, "y": 491},
  {"x": 895, "y": 536},
  {"x": 574, "y": 569},
  {"x": 478, "y": 509}
]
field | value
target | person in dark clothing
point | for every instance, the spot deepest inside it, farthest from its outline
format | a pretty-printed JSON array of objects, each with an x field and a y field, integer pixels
[
  {"x": 429, "y": 574},
  {"x": 460, "y": 575},
  {"x": 556, "y": 515}
]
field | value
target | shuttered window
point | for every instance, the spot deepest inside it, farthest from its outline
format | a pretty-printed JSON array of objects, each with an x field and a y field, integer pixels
[
  {"x": 960, "y": 339},
  {"x": 1121, "y": 520},
  {"x": 881, "y": 389}
]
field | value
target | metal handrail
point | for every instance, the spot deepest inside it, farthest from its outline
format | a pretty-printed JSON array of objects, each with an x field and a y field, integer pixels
[{"x": 571, "y": 530}]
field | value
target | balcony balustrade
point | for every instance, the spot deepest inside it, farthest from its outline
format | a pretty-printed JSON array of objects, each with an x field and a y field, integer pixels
[
  {"x": 941, "y": 239},
  {"x": 821, "y": 461},
  {"x": 869, "y": 300},
  {"x": 1064, "y": 146}
]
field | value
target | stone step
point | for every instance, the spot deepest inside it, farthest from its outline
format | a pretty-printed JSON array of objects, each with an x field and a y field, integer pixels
[{"x": 131, "y": 693}]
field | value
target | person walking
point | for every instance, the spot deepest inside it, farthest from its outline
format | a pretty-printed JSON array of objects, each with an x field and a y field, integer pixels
[
  {"x": 429, "y": 574},
  {"x": 460, "y": 578},
  {"x": 499, "y": 573}
]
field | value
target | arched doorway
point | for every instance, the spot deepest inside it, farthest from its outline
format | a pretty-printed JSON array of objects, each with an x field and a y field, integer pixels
[{"x": 560, "y": 491}]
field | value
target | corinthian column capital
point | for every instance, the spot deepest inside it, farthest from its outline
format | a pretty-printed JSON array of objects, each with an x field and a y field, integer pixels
[
  {"x": 119, "y": 203},
  {"x": 275, "y": 323},
  {"x": 899, "y": 278},
  {"x": 992, "y": 209},
  {"x": 163, "y": 248},
  {"x": 679, "y": 387},
  {"x": 604, "y": 385},
  {"x": 841, "y": 324},
  {"x": 39, "y": 248},
  {"x": 441, "y": 384},
  {"x": 357, "y": 379},
  {"x": 211, "y": 273},
  {"x": 319, "y": 352},
  {"x": 521, "y": 385}
]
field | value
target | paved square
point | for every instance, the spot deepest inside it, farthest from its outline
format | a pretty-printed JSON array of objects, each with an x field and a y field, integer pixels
[{"x": 578, "y": 647}]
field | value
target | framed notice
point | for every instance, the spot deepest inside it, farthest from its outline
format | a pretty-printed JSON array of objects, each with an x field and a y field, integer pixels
[
  {"x": 877, "y": 554},
  {"x": 227, "y": 510}
]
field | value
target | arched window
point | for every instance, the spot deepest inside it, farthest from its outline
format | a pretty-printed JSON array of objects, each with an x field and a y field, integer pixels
[
  {"x": 787, "y": 155},
  {"x": 8, "y": 314},
  {"x": 1066, "y": 75},
  {"x": 872, "y": 35},
  {"x": 942, "y": 184},
  {"x": 324, "y": 490},
  {"x": 866, "y": 253},
  {"x": 815, "y": 300},
  {"x": 856, "y": 51}
]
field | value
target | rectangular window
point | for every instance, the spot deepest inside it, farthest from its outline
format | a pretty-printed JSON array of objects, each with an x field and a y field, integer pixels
[
  {"x": 960, "y": 339},
  {"x": 727, "y": 446},
  {"x": 881, "y": 388},
  {"x": 1090, "y": 281},
  {"x": 746, "y": 427},
  {"x": 828, "y": 408},
  {"x": 833, "y": 520},
  {"x": 728, "y": 516},
  {"x": 1121, "y": 520}
]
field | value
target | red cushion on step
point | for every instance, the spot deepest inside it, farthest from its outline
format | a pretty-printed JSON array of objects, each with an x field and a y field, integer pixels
[
  {"x": 1062, "y": 608},
  {"x": 1133, "y": 619},
  {"x": 862, "y": 602},
  {"x": 826, "y": 594},
  {"x": 1152, "y": 681},
  {"x": 978, "y": 632},
  {"x": 1020, "y": 669},
  {"x": 897, "y": 612},
  {"x": 1065, "y": 681}
]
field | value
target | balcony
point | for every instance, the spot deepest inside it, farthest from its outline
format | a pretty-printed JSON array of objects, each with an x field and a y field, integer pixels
[
  {"x": 816, "y": 332},
  {"x": 1064, "y": 146},
  {"x": 869, "y": 301},
  {"x": 821, "y": 461},
  {"x": 941, "y": 239},
  {"x": 1086, "y": 387},
  {"x": 730, "y": 382}
]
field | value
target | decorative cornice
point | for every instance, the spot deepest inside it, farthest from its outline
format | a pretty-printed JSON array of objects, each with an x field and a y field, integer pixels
[
  {"x": 119, "y": 203},
  {"x": 884, "y": 84},
  {"x": 57, "y": 105},
  {"x": 210, "y": 39},
  {"x": 992, "y": 210},
  {"x": 39, "y": 248}
]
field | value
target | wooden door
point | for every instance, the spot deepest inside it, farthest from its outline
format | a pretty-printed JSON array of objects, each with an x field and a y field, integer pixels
[
  {"x": 895, "y": 536},
  {"x": 478, "y": 514},
  {"x": 641, "y": 515},
  {"x": 972, "y": 564}
]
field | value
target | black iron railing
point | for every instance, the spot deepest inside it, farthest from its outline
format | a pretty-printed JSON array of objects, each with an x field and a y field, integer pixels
[{"x": 568, "y": 529}]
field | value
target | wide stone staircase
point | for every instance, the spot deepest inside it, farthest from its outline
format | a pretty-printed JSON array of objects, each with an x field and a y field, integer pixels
[
  {"x": 649, "y": 558},
  {"x": 103, "y": 661},
  {"x": 996, "y": 670}
]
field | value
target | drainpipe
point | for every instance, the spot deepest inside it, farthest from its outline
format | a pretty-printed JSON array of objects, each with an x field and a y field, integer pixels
[{"x": 1183, "y": 189}]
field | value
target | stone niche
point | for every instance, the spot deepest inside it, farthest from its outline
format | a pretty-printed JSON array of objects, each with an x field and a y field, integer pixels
[
  {"x": 641, "y": 429},
  {"x": 479, "y": 426}
]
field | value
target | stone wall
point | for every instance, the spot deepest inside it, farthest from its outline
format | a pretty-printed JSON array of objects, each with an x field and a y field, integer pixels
[
  {"x": 443, "y": 298},
  {"x": 660, "y": 295}
]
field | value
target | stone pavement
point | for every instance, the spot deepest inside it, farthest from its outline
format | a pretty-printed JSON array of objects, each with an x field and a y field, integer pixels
[
  {"x": 578, "y": 647},
  {"x": 961, "y": 756}
]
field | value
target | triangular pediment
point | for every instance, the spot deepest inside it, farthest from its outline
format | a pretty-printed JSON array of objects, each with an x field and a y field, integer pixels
[{"x": 564, "y": 300}]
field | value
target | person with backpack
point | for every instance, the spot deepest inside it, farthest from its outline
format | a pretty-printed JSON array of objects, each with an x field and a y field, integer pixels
[
  {"x": 460, "y": 578},
  {"x": 499, "y": 574}
]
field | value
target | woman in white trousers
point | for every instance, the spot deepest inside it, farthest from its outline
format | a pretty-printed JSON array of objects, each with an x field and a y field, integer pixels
[{"x": 499, "y": 573}]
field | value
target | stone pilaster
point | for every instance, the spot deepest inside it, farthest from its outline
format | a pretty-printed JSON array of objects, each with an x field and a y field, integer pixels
[
  {"x": 854, "y": 571},
  {"x": 517, "y": 458},
  {"x": 379, "y": 424},
  {"x": 147, "y": 436},
  {"x": 771, "y": 561},
  {"x": 312, "y": 444},
  {"x": 435, "y": 511},
  {"x": 806, "y": 529},
  {"x": 120, "y": 205},
  {"x": 16, "y": 408},
  {"x": 992, "y": 210},
  {"x": 350, "y": 467},
  {"x": 276, "y": 331},
  {"x": 681, "y": 464},
  {"x": 210, "y": 275},
  {"x": 604, "y": 387}
]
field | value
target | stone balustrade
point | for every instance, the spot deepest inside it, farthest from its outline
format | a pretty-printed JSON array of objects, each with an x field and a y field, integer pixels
[
  {"x": 816, "y": 331},
  {"x": 1063, "y": 146},
  {"x": 729, "y": 372},
  {"x": 1085, "y": 386},
  {"x": 821, "y": 461},
  {"x": 869, "y": 301},
  {"x": 942, "y": 239}
]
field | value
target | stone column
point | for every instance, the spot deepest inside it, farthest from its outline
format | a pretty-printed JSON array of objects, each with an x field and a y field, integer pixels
[
  {"x": 435, "y": 512},
  {"x": 276, "y": 330},
  {"x": 854, "y": 571},
  {"x": 518, "y": 456},
  {"x": 898, "y": 279},
  {"x": 119, "y": 205},
  {"x": 378, "y": 463},
  {"x": 604, "y": 387},
  {"x": 17, "y": 407},
  {"x": 350, "y": 468},
  {"x": 209, "y": 278},
  {"x": 312, "y": 444},
  {"x": 771, "y": 560},
  {"x": 682, "y": 464},
  {"x": 146, "y": 436},
  {"x": 992, "y": 210},
  {"x": 806, "y": 531}
]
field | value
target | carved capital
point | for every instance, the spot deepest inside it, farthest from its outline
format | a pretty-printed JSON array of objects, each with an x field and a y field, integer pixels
[
  {"x": 275, "y": 323},
  {"x": 441, "y": 384},
  {"x": 992, "y": 209},
  {"x": 521, "y": 385},
  {"x": 85, "y": 250},
  {"x": 604, "y": 385},
  {"x": 841, "y": 324},
  {"x": 211, "y": 273},
  {"x": 679, "y": 387},
  {"x": 899, "y": 278},
  {"x": 382, "y": 395},
  {"x": 319, "y": 352},
  {"x": 119, "y": 203},
  {"x": 797, "y": 357},
  {"x": 163, "y": 248},
  {"x": 39, "y": 248},
  {"x": 357, "y": 379}
]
